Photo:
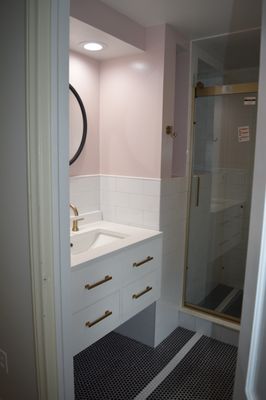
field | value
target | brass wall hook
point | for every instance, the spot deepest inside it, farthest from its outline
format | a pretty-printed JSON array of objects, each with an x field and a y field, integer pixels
[{"x": 169, "y": 130}]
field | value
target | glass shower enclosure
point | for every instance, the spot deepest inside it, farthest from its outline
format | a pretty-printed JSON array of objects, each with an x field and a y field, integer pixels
[{"x": 220, "y": 192}]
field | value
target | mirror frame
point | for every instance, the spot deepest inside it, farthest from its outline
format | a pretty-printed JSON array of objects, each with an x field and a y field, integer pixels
[{"x": 84, "y": 118}]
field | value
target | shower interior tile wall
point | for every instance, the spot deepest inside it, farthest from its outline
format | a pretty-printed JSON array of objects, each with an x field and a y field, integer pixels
[
  {"x": 219, "y": 264},
  {"x": 231, "y": 183},
  {"x": 234, "y": 184}
]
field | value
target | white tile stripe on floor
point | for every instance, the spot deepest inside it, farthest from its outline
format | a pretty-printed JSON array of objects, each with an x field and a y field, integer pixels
[
  {"x": 227, "y": 300},
  {"x": 158, "y": 379}
]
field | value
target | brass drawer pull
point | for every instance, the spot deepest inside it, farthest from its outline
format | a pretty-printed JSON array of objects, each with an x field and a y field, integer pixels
[
  {"x": 106, "y": 314},
  {"x": 106, "y": 279},
  {"x": 137, "y": 295},
  {"x": 138, "y": 264}
]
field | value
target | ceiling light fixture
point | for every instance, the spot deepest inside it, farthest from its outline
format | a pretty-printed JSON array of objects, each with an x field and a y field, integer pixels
[{"x": 93, "y": 46}]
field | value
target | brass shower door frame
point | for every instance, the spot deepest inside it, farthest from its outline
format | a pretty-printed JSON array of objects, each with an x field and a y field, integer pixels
[
  {"x": 237, "y": 88},
  {"x": 200, "y": 91}
]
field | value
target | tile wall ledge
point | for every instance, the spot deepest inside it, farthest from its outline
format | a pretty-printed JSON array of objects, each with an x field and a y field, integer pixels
[
  {"x": 131, "y": 177},
  {"x": 84, "y": 176},
  {"x": 168, "y": 179}
]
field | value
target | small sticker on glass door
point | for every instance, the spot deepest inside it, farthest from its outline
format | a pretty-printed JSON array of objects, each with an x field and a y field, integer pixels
[
  {"x": 250, "y": 101},
  {"x": 243, "y": 134}
]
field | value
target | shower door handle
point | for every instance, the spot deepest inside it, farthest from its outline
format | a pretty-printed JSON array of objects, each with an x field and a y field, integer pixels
[{"x": 198, "y": 191}]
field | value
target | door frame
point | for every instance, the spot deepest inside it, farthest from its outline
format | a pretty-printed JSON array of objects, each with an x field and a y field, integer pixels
[
  {"x": 47, "y": 26},
  {"x": 219, "y": 90},
  {"x": 251, "y": 334},
  {"x": 256, "y": 345}
]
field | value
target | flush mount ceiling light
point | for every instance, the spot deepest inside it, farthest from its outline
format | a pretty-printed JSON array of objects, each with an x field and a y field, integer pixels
[{"x": 93, "y": 46}]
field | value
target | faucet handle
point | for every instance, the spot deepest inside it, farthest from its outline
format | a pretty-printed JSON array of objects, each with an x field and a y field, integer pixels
[{"x": 78, "y": 219}]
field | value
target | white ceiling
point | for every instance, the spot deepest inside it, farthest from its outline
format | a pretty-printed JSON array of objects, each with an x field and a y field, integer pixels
[
  {"x": 81, "y": 32},
  {"x": 193, "y": 18}
]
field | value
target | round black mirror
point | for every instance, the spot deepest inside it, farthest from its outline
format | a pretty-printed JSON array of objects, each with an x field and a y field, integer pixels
[{"x": 77, "y": 125}]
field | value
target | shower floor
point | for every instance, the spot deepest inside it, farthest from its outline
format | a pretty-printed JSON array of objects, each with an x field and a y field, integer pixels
[
  {"x": 235, "y": 306},
  {"x": 119, "y": 368},
  {"x": 216, "y": 297}
]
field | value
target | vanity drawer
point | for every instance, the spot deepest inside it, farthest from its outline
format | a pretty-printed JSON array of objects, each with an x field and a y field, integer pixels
[
  {"x": 95, "y": 322},
  {"x": 95, "y": 281},
  {"x": 140, "y": 294},
  {"x": 142, "y": 259}
]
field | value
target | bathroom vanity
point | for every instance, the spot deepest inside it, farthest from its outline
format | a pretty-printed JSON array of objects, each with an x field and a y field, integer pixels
[{"x": 116, "y": 273}]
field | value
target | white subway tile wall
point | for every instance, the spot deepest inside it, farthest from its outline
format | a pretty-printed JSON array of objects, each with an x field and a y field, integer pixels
[
  {"x": 173, "y": 211},
  {"x": 85, "y": 193},
  {"x": 132, "y": 201}
]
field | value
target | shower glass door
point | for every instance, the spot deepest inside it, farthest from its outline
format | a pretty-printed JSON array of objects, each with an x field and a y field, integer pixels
[{"x": 220, "y": 191}]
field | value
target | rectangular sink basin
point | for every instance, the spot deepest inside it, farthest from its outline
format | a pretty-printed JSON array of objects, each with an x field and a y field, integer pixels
[
  {"x": 93, "y": 239},
  {"x": 100, "y": 238}
]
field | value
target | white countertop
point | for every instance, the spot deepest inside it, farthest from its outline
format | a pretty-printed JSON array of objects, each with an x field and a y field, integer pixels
[{"x": 132, "y": 236}]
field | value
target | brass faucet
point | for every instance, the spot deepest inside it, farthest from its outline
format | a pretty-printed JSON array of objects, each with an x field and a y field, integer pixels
[{"x": 75, "y": 227}]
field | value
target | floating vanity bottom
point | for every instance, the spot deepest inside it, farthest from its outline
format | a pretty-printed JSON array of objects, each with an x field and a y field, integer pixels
[{"x": 115, "y": 283}]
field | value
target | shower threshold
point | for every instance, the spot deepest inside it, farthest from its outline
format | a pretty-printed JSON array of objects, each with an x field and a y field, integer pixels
[{"x": 211, "y": 316}]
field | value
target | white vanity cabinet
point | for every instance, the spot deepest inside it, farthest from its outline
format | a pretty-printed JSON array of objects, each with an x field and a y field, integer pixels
[
  {"x": 109, "y": 290},
  {"x": 95, "y": 280},
  {"x": 140, "y": 294},
  {"x": 95, "y": 321}
]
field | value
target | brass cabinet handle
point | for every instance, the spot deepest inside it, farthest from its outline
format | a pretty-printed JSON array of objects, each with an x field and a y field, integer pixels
[
  {"x": 96, "y": 321},
  {"x": 105, "y": 279},
  {"x": 138, "y": 264},
  {"x": 137, "y": 295}
]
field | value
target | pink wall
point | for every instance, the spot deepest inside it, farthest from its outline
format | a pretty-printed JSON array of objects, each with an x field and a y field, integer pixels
[
  {"x": 181, "y": 113},
  {"x": 84, "y": 76},
  {"x": 174, "y": 43},
  {"x": 131, "y": 104}
]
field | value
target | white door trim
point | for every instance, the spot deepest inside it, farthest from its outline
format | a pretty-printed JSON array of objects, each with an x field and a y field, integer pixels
[
  {"x": 259, "y": 316},
  {"x": 47, "y": 107},
  {"x": 251, "y": 334}
]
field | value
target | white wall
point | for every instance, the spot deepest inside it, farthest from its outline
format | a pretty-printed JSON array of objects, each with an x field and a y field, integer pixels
[
  {"x": 16, "y": 325},
  {"x": 255, "y": 231}
]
